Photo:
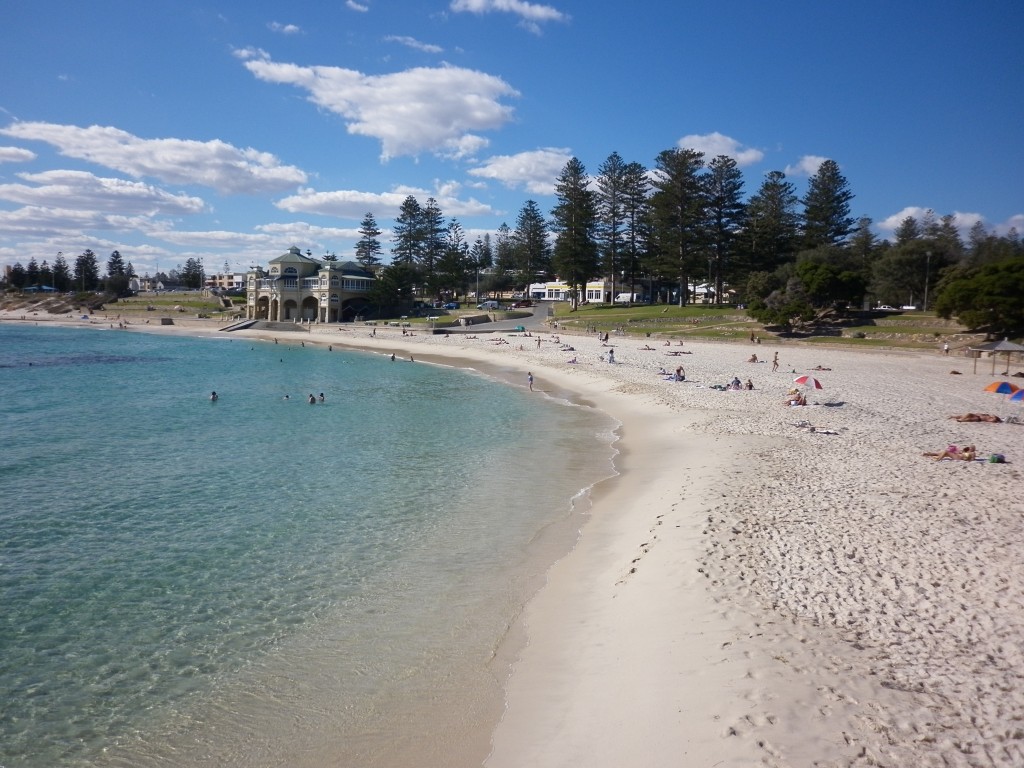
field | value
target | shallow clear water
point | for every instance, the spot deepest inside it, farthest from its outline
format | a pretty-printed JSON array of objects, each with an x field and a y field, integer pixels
[{"x": 259, "y": 581}]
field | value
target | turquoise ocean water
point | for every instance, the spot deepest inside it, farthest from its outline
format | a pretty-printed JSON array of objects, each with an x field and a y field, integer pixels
[{"x": 260, "y": 581}]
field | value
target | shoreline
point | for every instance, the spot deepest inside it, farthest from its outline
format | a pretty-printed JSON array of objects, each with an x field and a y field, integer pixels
[{"x": 747, "y": 591}]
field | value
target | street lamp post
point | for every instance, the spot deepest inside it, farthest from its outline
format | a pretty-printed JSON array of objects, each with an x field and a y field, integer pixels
[{"x": 927, "y": 276}]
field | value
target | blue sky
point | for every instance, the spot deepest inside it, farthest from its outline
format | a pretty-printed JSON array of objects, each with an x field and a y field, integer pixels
[{"x": 230, "y": 130}]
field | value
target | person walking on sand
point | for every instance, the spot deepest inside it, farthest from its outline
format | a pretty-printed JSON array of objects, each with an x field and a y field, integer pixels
[
  {"x": 945, "y": 348},
  {"x": 775, "y": 363},
  {"x": 529, "y": 379}
]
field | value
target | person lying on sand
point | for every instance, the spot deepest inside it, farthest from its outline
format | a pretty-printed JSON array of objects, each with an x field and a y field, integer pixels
[
  {"x": 820, "y": 368},
  {"x": 978, "y": 417},
  {"x": 967, "y": 453}
]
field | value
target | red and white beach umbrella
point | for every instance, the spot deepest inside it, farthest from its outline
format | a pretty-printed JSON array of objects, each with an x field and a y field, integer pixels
[{"x": 808, "y": 381}]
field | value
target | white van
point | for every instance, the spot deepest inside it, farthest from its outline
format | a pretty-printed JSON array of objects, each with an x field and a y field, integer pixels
[{"x": 488, "y": 305}]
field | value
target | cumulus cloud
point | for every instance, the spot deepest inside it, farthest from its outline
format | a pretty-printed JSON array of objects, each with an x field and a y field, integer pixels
[
  {"x": 266, "y": 237},
  {"x": 352, "y": 5},
  {"x": 531, "y": 15},
  {"x": 16, "y": 155},
  {"x": 715, "y": 144},
  {"x": 84, "y": 191},
  {"x": 37, "y": 222},
  {"x": 962, "y": 220},
  {"x": 891, "y": 223},
  {"x": 806, "y": 166},
  {"x": 284, "y": 29},
  {"x": 534, "y": 171},
  {"x": 1014, "y": 222},
  {"x": 426, "y": 109},
  {"x": 412, "y": 42},
  {"x": 353, "y": 204},
  {"x": 215, "y": 164}
]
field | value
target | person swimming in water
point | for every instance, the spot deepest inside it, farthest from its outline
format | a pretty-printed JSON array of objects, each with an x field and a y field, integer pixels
[{"x": 213, "y": 397}]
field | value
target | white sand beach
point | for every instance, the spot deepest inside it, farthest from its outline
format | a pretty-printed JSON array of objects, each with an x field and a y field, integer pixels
[{"x": 764, "y": 584}]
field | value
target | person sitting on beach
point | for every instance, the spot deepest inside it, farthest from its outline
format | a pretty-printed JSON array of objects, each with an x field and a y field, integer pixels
[
  {"x": 735, "y": 383},
  {"x": 796, "y": 399},
  {"x": 572, "y": 362},
  {"x": 647, "y": 347},
  {"x": 750, "y": 384},
  {"x": 752, "y": 359},
  {"x": 680, "y": 374},
  {"x": 987, "y": 417}
]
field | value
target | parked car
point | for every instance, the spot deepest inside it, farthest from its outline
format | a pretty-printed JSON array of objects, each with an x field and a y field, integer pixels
[
  {"x": 488, "y": 305},
  {"x": 886, "y": 308},
  {"x": 452, "y": 305},
  {"x": 523, "y": 303}
]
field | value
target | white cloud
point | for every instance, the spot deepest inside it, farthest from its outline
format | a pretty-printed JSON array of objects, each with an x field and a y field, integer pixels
[
  {"x": 806, "y": 166},
  {"x": 962, "y": 220},
  {"x": 412, "y": 42},
  {"x": 715, "y": 144},
  {"x": 215, "y": 164},
  {"x": 1014, "y": 222},
  {"x": 434, "y": 109},
  {"x": 284, "y": 29},
  {"x": 267, "y": 237},
  {"x": 86, "y": 192},
  {"x": 891, "y": 223},
  {"x": 353, "y": 204},
  {"x": 36, "y": 221},
  {"x": 534, "y": 171},
  {"x": 16, "y": 155},
  {"x": 531, "y": 15},
  {"x": 352, "y": 5}
]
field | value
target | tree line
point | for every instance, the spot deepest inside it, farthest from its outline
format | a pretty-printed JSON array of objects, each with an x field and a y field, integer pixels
[
  {"x": 659, "y": 230},
  {"x": 84, "y": 274}
]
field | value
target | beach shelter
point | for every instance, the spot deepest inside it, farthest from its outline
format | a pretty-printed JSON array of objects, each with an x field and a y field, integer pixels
[
  {"x": 1002, "y": 387},
  {"x": 994, "y": 348},
  {"x": 808, "y": 381}
]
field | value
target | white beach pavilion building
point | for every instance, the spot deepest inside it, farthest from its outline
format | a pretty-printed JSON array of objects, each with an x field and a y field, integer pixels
[{"x": 299, "y": 288}]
